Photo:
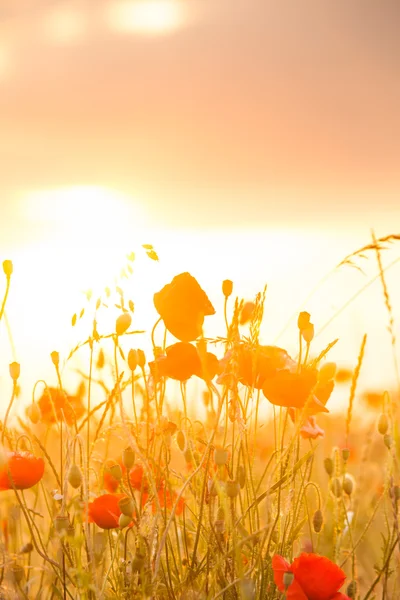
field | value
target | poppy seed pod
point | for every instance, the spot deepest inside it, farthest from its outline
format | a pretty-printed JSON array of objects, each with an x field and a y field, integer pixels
[
  {"x": 348, "y": 485},
  {"x": 383, "y": 424},
  {"x": 336, "y": 487},
  {"x": 132, "y": 359},
  {"x": 26, "y": 548},
  {"x": 352, "y": 589},
  {"x": 124, "y": 521},
  {"x": 345, "y": 454},
  {"x": 126, "y": 506},
  {"x": 116, "y": 472},
  {"x": 128, "y": 457},
  {"x": 33, "y": 412},
  {"x": 75, "y": 476},
  {"x": 17, "y": 573},
  {"x": 8, "y": 268},
  {"x": 123, "y": 323},
  {"x": 55, "y": 358},
  {"x": 328, "y": 464},
  {"x": 181, "y": 440},
  {"x": 227, "y": 287},
  {"x": 288, "y": 578},
  {"x": 303, "y": 320},
  {"x": 318, "y": 521},
  {"x": 15, "y": 370}
]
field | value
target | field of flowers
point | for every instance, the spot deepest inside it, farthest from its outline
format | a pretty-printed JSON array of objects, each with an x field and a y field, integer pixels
[{"x": 117, "y": 491}]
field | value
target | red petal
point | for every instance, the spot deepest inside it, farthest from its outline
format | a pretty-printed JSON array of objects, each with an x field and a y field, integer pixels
[{"x": 319, "y": 577}]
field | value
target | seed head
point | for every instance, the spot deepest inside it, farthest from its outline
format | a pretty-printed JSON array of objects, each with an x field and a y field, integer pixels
[{"x": 126, "y": 506}]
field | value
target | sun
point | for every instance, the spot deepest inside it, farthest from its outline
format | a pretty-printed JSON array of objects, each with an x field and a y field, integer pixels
[{"x": 151, "y": 17}]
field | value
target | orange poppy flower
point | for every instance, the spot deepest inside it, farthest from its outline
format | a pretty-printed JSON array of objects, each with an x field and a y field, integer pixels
[
  {"x": 70, "y": 406},
  {"x": 105, "y": 510},
  {"x": 182, "y": 305},
  {"x": 315, "y": 578},
  {"x": 22, "y": 469},
  {"x": 181, "y": 361}
]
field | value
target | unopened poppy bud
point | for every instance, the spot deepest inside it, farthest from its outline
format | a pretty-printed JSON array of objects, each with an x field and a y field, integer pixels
[
  {"x": 308, "y": 333},
  {"x": 26, "y": 548},
  {"x": 352, "y": 589},
  {"x": 303, "y": 320},
  {"x": 241, "y": 476},
  {"x": 383, "y": 424},
  {"x": 345, "y": 454},
  {"x": 124, "y": 521},
  {"x": 227, "y": 287},
  {"x": 75, "y": 476},
  {"x": 17, "y": 573},
  {"x": 100, "y": 359},
  {"x": 33, "y": 412},
  {"x": 132, "y": 359},
  {"x": 123, "y": 323},
  {"x": 116, "y": 472},
  {"x": 232, "y": 489},
  {"x": 55, "y": 358},
  {"x": 328, "y": 464},
  {"x": 348, "y": 485},
  {"x": 126, "y": 506},
  {"x": 220, "y": 456},
  {"x": 336, "y": 487},
  {"x": 61, "y": 523},
  {"x": 388, "y": 440},
  {"x": 288, "y": 578},
  {"x": 128, "y": 457},
  {"x": 318, "y": 521},
  {"x": 141, "y": 359},
  {"x": 15, "y": 370},
  {"x": 181, "y": 440},
  {"x": 8, "y": 268}
]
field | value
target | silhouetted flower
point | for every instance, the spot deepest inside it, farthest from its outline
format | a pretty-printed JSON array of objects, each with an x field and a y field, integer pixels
[
  {"x": 182, "y": 305},
  {"x": 181, "y": 361},
  {"x": 20, "y": 470},
  {"x": 315, "y": 577},
  {"x": 70, "y": 406}
]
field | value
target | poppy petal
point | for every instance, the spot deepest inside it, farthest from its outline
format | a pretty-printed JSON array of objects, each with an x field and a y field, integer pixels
[
  {"x": 319, "y": 577},
  {"x": 280, "y": 567}
]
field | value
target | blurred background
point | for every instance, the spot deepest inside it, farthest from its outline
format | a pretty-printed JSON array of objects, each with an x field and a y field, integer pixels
[{"x": 257, "y": 141}]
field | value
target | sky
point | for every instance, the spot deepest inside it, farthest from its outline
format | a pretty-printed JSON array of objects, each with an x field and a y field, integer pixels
[{"x": 253, "y": 140}]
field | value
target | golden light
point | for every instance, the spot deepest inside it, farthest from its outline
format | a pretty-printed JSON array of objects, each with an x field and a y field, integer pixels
[
  {"x": 5, "y": 62},
  {"x": 151, "y": 17},
  {"x": 64, "y": 25}
]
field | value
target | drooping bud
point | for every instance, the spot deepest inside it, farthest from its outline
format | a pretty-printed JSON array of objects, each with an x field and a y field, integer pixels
[
  {"x": 336, "y": 487},
  {"x": 352, "y": 590},
  {"x": 123, "y": 323},
  {"x": 288, "y": 578},
  {"x": 15, "y": 370},
  {"x": 246, "y": 313},
  {"x": 75, "y": 476},
  {"x": 8, "y": 268},
  {"x": 328, "y": 464},
  {"x": 26, "y": 548},
  {"x": 126, "y": 506},
  {"x": 132, "y": 359},
  {"x": 227, "y": 287},
  {"x": 348, "y": 485},
  {"x": 33, "y": 412},
  {"x": 318, "y": 521},
  {"x": 55, "y": 358},
  {"x": 383, "y": 424},
  {"x": 128, "y": 457}
]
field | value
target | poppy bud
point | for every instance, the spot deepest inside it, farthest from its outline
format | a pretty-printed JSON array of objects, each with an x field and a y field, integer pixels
[
  {"x": 383, "y": 424},
  {"x": 232, "y": 489},
  {"x": 55, "y": 358},
  {"x": 26, "y": 548},
  {"x": 181, "y": 440},
  {"x": 318, "y": 521},
  {"x": 345, "y": 454},
  {"x": 33, "y": 412},
  {"x": 132, "y": 359},
  {"x": 128, "y": 457},
  {"x": 241, "y": 476},
  {"x": 126, "y": 506},
  {"x": 220, "y": 456},
  {"x": 352, "y": 589},
  {"x": 303, "y": 320},
  {"x": 8, "y": 268},
  {"x": 116, "y": 472},
  {"x": 388, "y": 440},
  {"x": 124, "y": 521},
  {"x": 227, "y": 287},
  {"x": 100, "y": 359},
  {"x": 61, "y": 523},
  {"x": 348, "y": 485},
  {"x": 123, "y": 323},
  {"x": 75, "y": 476},
  {"x": 328, "y": 464},
  {"x": 17, "y": 573},
  {"x": 288, "y": 578},
  {"x": 336, "y": 487},
  {"x": 308, "y": 333},
  {"x": 141, "y": 359},
  {"x": 15, "y": 370}
]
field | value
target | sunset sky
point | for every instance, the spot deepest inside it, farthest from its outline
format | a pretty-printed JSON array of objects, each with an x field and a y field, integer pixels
[{"x": 262, "y": 137}]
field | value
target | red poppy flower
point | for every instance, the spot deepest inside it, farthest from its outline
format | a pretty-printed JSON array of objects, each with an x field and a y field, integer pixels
[
  {"x": 166, "y": 499},
  {"x": 182, "y": 305},
  {"x": 105, "y": 511},
  {"x": 111, "y": 483},
  {"x": 22, "y": 469},
  {"x": 138, "y": 478},
  {"x": 181, "y": 361},
  {"x": 315, "y": 578},
  {"x": 69, "y": 406}
]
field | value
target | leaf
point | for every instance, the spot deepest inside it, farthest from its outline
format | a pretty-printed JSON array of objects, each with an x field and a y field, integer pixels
[
  {"x": 152, "y": 254},
  {"x": 82, "y": 313},
  {"x": 98, "y": 303},
  {"x": 73, "y": 320}
]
